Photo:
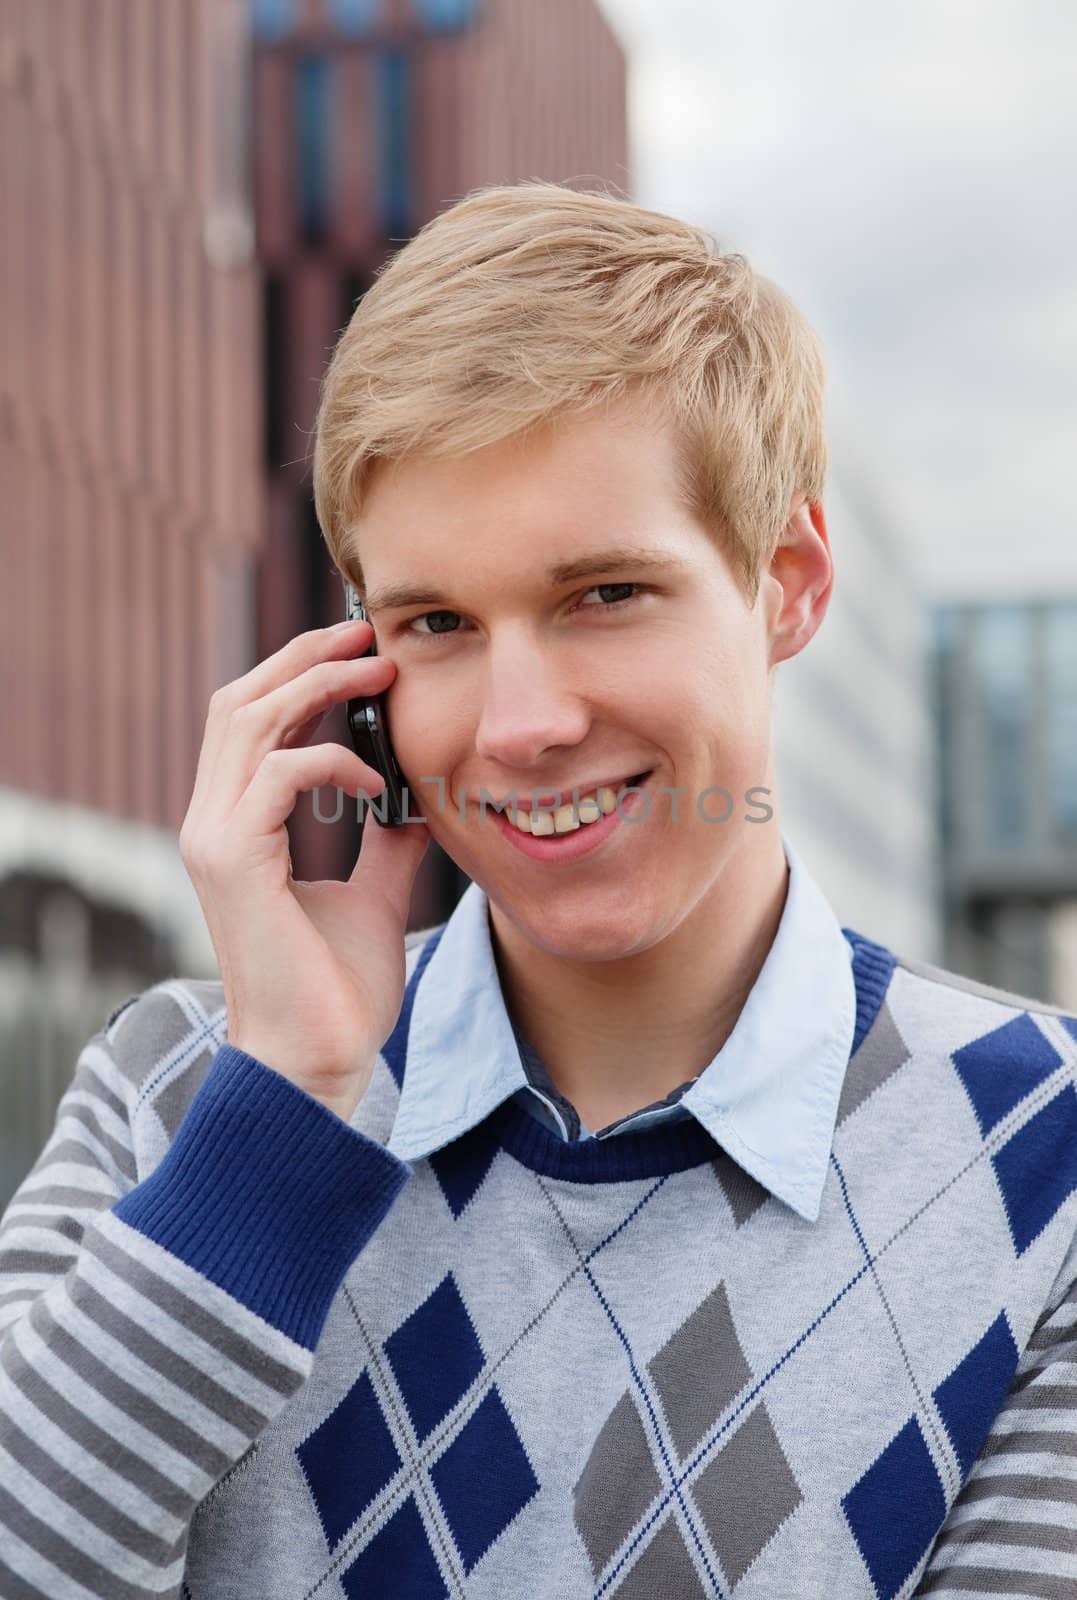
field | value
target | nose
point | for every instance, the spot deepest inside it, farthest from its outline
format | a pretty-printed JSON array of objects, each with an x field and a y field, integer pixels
[{"x": 529, "y": 706}]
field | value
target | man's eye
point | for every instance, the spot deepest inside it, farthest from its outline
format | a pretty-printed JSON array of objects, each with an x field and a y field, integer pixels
[
  {"x": 613, "y": 604},
  {"x": 438, "y": 629}
]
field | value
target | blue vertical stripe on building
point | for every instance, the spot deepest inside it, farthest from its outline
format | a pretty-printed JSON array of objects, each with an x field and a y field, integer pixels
[
  {"x": 396, "y": 198},
  {"x": 444, "y": 16},
  {"x": 356, "y": 17},
  {"x": 272, "y": 19},
  {"x": 314, "y": 94}
]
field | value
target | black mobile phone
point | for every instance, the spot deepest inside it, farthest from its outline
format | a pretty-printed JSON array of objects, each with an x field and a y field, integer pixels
[{"x": 368, "y": 725}]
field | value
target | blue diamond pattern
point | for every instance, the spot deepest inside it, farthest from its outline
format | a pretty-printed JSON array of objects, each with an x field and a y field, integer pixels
[
  {"x": 1070, "y": 1025},
  {"x": 1001, "y": 1068},
  {"x": 435, "y": 1356},
  {"x": 484, "y": 1479},
  {"x": 1037, "y": 1168},
  {"x": 348, "y": 1459},
  {"x": 896, "y": 1509},
  {"x": 969, "y": 1399},
  {"x": 397, "y": 1561},
  {"x": 461, "y": 1166}
]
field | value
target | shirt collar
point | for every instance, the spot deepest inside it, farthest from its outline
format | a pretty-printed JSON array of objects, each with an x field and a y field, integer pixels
[{"x": 769, "y": 1097}]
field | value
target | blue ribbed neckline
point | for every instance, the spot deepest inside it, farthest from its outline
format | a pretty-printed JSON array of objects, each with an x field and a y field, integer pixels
[{"x": 873, "y": 967}]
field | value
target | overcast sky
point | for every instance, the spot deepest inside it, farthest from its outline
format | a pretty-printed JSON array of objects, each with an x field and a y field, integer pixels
[{"x": 908, "y": 173}]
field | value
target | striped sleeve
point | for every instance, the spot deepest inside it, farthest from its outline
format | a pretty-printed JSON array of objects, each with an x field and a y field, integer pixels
[
  {"x": 150, "y": 1331},
  {"x": 1013, "y": 1528}
]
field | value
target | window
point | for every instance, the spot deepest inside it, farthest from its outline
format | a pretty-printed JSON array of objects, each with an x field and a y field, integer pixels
[
  {"x": 394, "y": 121},
  {"x": 314, "y": 122},
  {"x": 1002, "y": 645},
  {"x": 444, "y": 16},
  {"x": 356, "y": 17},
  {"x": 272, "y": 19}
]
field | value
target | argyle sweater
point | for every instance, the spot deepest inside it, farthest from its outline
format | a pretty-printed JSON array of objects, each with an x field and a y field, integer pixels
[{"x": 245, "y": 1351}]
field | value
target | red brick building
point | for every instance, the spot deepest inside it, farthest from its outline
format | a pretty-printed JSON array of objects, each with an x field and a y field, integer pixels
[{"x": 194, "y": 196}]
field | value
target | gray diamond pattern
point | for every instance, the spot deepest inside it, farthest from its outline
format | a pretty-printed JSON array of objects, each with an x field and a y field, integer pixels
[
  {"x": 741, "y": 1497},
  {"x": 881, "y": 1054},
  {"x": 700, "y": 1371},
  {"x": 617, "y": 1484},
  {"x": 665, "y": 1568},
  {"x": 743, "y": 1193},
  {"x": 745, "y": 1493}
]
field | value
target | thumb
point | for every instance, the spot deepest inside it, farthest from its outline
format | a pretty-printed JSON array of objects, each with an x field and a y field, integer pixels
[{"x": 389, "y": 859}]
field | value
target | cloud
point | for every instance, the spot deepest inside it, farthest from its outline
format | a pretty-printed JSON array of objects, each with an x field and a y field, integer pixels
[{"x": 907, "y": 174}]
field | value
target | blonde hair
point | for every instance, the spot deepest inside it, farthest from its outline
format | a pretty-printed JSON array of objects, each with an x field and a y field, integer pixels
[{"x": 524, "y": 302}]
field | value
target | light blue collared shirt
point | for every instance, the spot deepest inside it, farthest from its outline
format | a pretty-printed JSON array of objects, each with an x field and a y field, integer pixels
[{"x": 769, "y": 1097}]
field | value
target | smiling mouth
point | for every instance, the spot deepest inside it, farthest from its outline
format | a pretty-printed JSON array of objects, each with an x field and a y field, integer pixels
[{"x": 571, "y": 818}]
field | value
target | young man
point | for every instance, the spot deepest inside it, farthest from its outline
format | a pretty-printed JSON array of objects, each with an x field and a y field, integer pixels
[{"x": 639, "y": 1231}]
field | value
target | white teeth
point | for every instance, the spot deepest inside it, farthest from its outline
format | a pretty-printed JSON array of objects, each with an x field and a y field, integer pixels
[{"x": 565, "y": 819}]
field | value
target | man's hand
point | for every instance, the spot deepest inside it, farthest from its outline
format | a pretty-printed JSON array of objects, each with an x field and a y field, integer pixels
[{"x": 313, "y": 973}]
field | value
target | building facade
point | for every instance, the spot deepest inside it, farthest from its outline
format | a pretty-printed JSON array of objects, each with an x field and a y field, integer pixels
[
  {"x": 1006, "y": 690},
  {"x": 195, "y": 194}
]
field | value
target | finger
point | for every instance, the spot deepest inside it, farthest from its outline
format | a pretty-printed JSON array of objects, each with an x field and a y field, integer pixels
[
  {"x": 304, "y": 651},
  {"x": 260, "y": 726},
  {"x": 298, "y": 655},
  {"x": 283, "y": 775}
]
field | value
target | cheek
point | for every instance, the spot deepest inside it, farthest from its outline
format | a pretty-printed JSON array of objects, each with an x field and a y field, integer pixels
[
  {"x": 421, "y": 730},
  {"x": 718, "y": 721}
]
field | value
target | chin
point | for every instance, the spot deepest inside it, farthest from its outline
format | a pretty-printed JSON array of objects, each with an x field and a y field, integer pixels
[{"x": 593, "y": 926}]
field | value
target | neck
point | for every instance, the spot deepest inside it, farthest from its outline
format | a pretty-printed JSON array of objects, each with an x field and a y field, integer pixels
[{"x": 617, "y": 1035}]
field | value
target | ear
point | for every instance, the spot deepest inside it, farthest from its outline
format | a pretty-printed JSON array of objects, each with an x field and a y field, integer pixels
[{"x": 801, "y": 574}]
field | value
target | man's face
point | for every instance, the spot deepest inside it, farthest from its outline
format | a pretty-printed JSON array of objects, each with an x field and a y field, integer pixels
[{"x": 507, "y": 681}]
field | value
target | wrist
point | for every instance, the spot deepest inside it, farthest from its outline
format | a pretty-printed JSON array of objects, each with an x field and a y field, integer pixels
[{"x": 338, "y": 1092}]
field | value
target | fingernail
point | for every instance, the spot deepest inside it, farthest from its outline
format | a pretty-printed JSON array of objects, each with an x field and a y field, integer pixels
[{"x": 349, "y": 622}]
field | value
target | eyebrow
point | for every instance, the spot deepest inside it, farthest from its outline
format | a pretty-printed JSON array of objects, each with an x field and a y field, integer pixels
[{"x": 625, "y": 558}]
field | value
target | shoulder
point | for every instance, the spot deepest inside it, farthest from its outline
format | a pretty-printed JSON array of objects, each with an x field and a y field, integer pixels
[
  {"x": 942, "y": 978},
  {"x": 961, "y": 1016},
  {"x": 944, "y": 987},
  {"x": 166, "y": 1029},
  {"x": 989, "y": 1030}
]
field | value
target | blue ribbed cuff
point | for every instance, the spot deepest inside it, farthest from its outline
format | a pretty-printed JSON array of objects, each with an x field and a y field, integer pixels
[{"x": 266, "y": 1192}]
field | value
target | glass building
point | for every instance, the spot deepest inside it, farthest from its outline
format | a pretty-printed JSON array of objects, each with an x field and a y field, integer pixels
[{"x": 1005, "y": 680}]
